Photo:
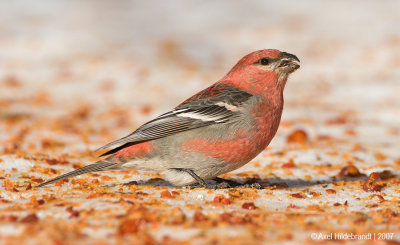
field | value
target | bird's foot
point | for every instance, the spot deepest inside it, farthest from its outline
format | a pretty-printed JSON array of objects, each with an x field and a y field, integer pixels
[
  {"x": 221, "y": 183},
  {"x": 202, "y": 183}
]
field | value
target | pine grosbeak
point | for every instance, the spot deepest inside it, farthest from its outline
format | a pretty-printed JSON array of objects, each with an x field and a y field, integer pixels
[{"x": 213, "y": 132}]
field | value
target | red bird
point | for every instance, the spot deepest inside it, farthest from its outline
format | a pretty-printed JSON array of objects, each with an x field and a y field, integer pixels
[{"x": 213, "y": 132}]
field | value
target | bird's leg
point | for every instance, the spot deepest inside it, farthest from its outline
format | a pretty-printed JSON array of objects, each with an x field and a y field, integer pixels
[
  {"x": 237, "y": 184},
  {"x": 203, "y": 183},
  {"x": 196, "y": 177}
]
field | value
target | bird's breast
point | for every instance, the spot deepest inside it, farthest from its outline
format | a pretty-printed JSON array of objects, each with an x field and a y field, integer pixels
[
  {"x": 242, "y": 141},
  {"x": 266, "y": 116}
]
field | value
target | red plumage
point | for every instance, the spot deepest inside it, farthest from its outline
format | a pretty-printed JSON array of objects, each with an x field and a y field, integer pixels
[{"x": 214, "y": 131}]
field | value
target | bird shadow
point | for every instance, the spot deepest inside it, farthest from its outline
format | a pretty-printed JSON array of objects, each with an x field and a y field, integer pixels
[{"x": 275, "y": 183}]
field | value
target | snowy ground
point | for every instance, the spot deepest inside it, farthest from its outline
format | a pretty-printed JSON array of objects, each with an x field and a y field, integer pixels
[{"x": 76, "y": 74}]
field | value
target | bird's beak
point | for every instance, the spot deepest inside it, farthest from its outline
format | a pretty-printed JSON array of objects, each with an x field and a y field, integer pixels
[{"x": 289, "y": 62}]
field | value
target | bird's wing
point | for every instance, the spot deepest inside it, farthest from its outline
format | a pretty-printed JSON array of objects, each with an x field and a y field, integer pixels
[{"x": 201, "y": 111}]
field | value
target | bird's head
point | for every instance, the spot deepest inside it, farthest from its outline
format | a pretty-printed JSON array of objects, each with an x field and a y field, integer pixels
[{"x": 268, "y": 67}]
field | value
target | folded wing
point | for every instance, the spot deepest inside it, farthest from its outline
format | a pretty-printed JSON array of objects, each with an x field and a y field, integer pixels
[{"x": 221, "y": 107}]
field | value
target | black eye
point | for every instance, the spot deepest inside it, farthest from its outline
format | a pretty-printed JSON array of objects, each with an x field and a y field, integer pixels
[{"x": 264, "y": 61}]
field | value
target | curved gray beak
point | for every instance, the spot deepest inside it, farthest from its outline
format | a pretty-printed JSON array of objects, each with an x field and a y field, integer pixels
[{"x": 289, "y": 62}]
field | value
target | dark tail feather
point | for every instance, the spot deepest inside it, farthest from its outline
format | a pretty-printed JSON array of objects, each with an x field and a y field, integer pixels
[{"x": 98, "y": 166}]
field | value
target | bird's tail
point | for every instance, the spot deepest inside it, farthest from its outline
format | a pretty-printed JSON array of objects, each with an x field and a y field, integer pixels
[{"x": 95, "y": 167}]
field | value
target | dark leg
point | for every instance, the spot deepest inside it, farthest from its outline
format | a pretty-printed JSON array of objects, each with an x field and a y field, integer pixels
[
  {"x": 203, "y": 183},
  {"x": 196, "y": 177},
  {"x": 222, "y": 183}
]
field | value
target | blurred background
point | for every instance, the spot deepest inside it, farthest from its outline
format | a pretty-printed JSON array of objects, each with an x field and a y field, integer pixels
[{"x": 140, "y": 58}]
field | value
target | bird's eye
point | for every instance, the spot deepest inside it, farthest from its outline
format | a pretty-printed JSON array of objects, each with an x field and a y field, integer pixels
[{"x": 264, "y": 61}]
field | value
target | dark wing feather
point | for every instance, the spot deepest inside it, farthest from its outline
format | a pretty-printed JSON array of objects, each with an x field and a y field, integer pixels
[
  {"x": 201, "y": 112},
  {"x": 98, "y": 166}
]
